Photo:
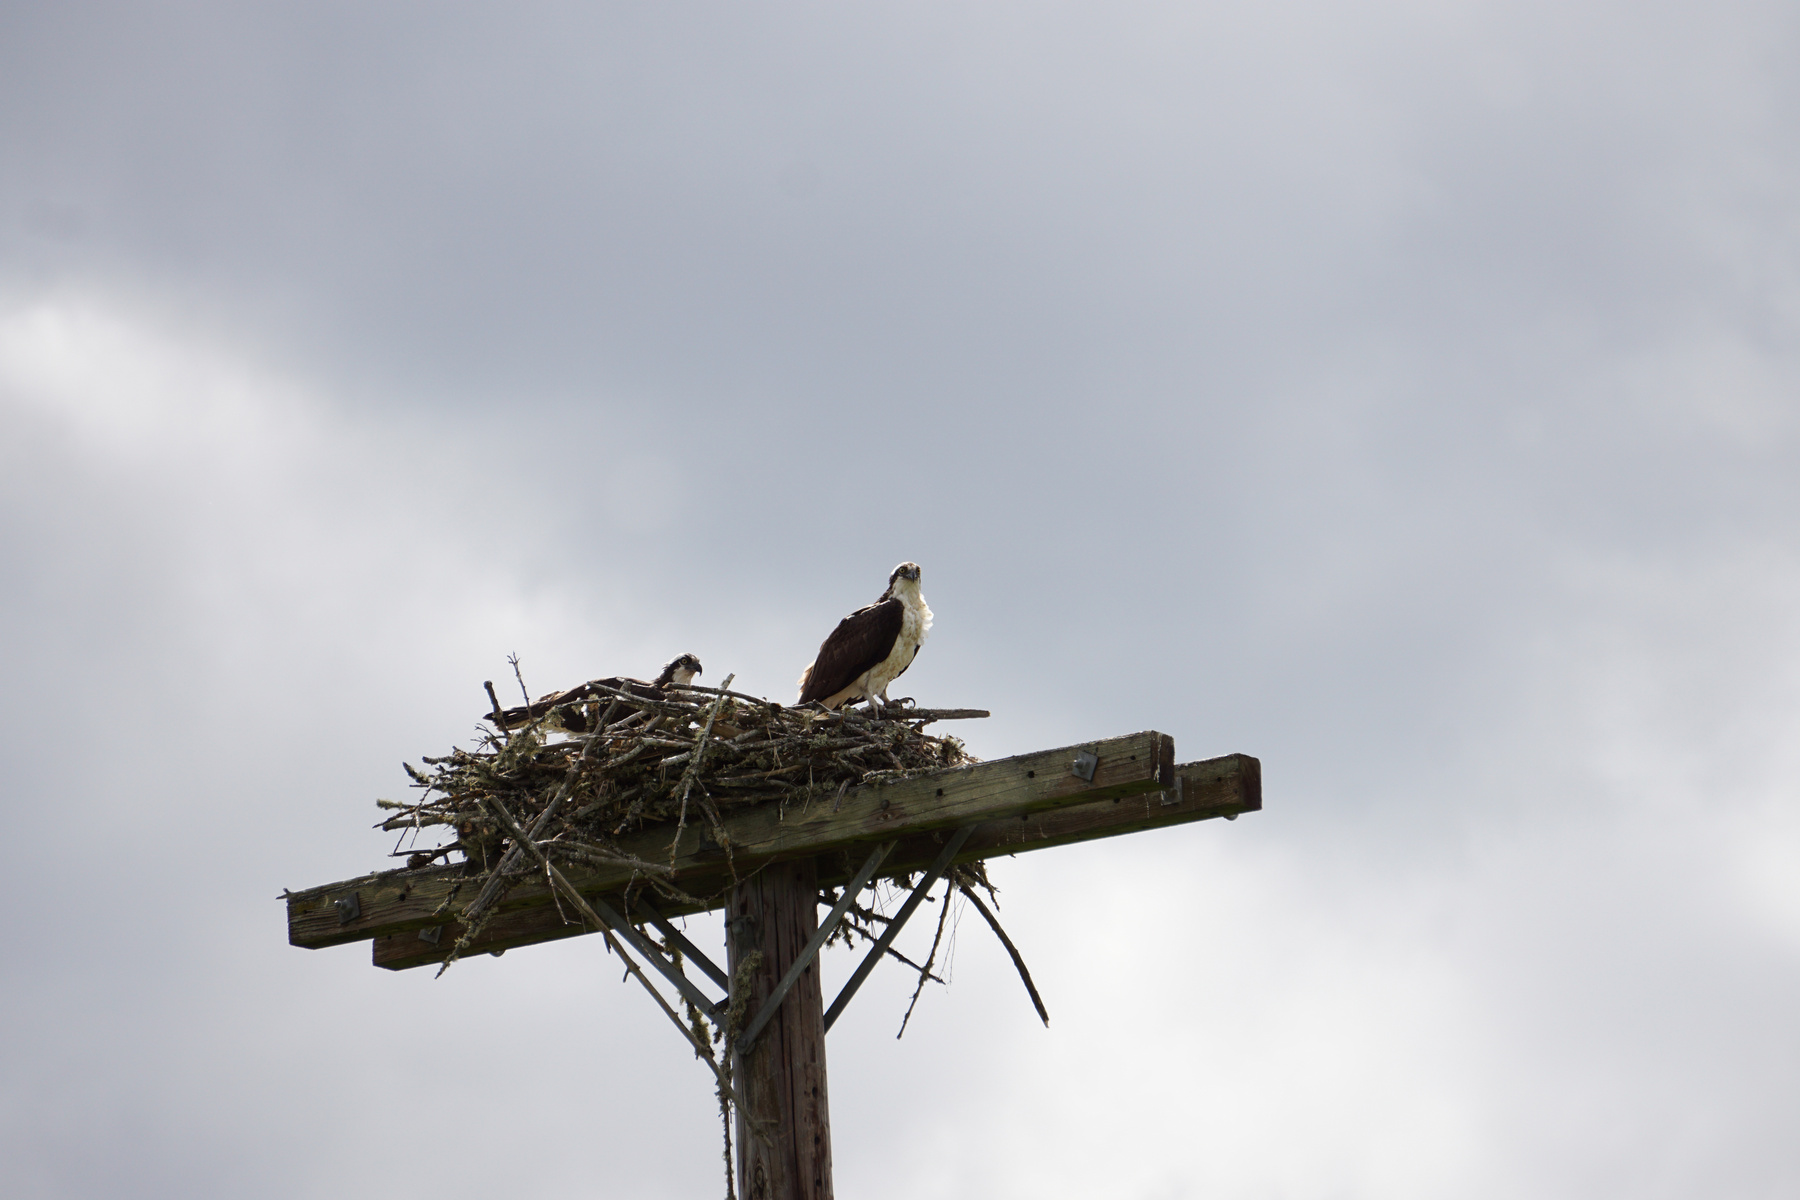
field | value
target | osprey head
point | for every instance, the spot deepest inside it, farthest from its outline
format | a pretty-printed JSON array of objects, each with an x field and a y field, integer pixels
[
  {"x": 679, "y": 671},
  {"x": 906, "y": 570}
]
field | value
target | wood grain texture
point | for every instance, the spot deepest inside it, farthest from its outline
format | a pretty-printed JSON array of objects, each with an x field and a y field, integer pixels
[
  {"x": 1218, "y": 787},
  {"x": 396, "y": 902},
  {"x": 784, "y": 1127}
]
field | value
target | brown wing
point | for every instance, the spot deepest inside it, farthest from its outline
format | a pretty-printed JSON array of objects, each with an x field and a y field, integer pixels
[
  {"x": 572, "y": 718},
  {"x": 512, "y": 718},
  {"x": 860, "y": 641}
]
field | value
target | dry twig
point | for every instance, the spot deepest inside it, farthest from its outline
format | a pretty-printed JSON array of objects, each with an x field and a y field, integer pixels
[{"x": 1037, "y": 1001}]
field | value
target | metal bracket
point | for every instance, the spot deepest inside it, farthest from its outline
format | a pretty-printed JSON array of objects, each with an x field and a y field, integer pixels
[
  {"x": 826, "y": 928},
  {"x": 1084, "y": 766},
  {"x": 431, "y": 934},
  {"x": 691, "y": 951},
  {"x": 645, "y": 947},
  {"x": 932, "y": 874},
  {"x": 349, "y": 908},
  {"x": 1176, "y": 794}
]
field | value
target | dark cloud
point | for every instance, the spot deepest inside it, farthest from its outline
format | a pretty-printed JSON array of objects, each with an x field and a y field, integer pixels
[{"x": 1401, "y": 395}]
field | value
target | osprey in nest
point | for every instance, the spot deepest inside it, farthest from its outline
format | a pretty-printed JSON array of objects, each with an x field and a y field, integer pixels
[
  {"x": 568, "y": 711},
  {"x": 871, "y": 647}
]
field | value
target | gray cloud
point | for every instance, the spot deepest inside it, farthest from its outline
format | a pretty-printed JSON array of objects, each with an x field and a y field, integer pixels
[{"x": 1404, "y": 396}]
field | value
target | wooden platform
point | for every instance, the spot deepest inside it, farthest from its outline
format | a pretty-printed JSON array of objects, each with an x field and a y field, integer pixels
[{"x": 1027, "y": 802}]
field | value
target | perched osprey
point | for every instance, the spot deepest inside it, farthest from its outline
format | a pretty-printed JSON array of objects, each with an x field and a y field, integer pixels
[
  {"x": 679, "y": 671},
  {"x": 871, "y": 647},
  {"x": 567, "y": 710}
]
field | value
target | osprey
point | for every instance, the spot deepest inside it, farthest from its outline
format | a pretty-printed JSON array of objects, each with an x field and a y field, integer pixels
[
  {"x": 566, "y": 709},
  {"x": 679, "y": 671},
  {"x": 871, "y": 647}
]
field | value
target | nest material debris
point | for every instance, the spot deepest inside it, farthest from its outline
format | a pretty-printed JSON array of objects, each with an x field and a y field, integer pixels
[{"x": 681, "y": 755}]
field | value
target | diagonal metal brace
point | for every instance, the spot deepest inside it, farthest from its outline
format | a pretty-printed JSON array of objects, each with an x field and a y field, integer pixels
[
  {"x": 687, "y": 948},
  {"x": 647, "y": 948},
  {"x": 826, "y": 928},
  {"x": 932, "y": 874}
]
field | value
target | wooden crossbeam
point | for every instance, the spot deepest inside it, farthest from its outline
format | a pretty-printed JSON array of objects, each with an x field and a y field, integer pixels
[
  {"x": 1217, "y": 787},
  {"x": 398, "y": 901},
  {"x": 1025, "y": 802}
]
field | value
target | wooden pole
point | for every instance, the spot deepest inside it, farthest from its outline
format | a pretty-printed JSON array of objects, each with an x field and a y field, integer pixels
[{"x": 784, "y": 1126}]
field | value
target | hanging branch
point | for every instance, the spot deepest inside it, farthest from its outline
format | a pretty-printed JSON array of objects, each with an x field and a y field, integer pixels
[
  {"x": 1037, "y": 1001},
  {"x": 575, "y": 898},
  {"x": 925, "y": 971},
  {"x": 853, "y": 926}
]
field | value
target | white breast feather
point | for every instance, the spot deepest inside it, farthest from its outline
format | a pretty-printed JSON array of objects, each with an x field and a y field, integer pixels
[{"x": 915, "y": 626}]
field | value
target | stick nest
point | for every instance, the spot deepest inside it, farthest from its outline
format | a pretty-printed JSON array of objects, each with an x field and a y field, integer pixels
[{"x": 655, "y": 760}]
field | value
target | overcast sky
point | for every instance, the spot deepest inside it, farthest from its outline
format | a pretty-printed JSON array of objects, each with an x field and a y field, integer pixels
[{"x": 1405, "y": 394}]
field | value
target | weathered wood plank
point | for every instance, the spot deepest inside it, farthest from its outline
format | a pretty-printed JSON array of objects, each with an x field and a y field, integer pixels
[
  {"x": 1217, "y": 787},
  {"x": 399, "y": 902}
]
